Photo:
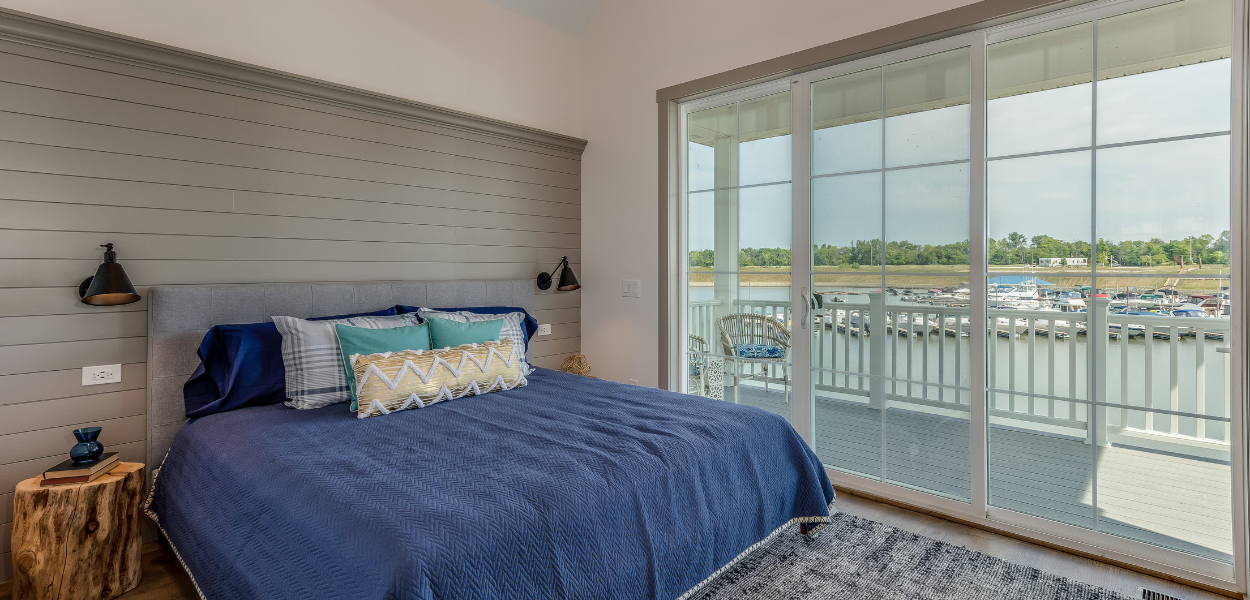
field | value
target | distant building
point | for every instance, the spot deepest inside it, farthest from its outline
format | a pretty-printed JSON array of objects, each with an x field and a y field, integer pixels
[
  {"x": 1050, "y": 262},
  {"x": 1076, "y": 262}
]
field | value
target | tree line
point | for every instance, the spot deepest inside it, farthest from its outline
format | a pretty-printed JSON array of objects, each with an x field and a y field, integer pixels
[{"x": 1011, "y": 250}]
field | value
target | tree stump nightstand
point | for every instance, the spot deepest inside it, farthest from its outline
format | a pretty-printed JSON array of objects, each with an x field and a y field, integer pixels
[{"x": 79, "y": 540}]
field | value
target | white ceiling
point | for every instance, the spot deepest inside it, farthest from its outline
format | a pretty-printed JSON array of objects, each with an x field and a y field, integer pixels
[{"x": 568, "y": 15}]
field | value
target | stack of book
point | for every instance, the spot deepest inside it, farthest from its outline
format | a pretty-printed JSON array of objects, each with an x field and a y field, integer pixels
[{"x": 72, "y": 472}]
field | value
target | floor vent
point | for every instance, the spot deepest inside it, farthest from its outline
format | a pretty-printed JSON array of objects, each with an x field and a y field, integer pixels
[{"x": 1153, "y": 595}]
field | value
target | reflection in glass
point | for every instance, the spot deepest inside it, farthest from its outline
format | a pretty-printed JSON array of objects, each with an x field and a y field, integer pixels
[
  {"x": 926, "y": 216},
  {"x": 764, "y": 138},
  {"x": 765, "y": 226},
  {"x": 1039, "y": 208},
  {"x": 846, "y": 221},
  {"x": 927, "y": 109},
  {"x": 1165, "y": 71},
  {"x": 714, "y": 162},
  {"x": 1039, "y": 91},
  {"x": 1170, "y": 191},
  {"x": 846, "y": 123}
]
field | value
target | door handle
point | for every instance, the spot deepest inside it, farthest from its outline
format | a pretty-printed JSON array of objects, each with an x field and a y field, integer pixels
[
  {"x": 806, "y": 315},
  {"x": 1224, "y": 350}
]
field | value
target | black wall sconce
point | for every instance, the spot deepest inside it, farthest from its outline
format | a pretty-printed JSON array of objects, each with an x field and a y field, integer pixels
[
  {"x": 110, "y": 286},
  {"x": 568, "y": 281}
]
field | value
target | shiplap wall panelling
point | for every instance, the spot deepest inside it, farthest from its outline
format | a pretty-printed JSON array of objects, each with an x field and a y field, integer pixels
[
  {"x": 144, "y": 86},
  {"x": 199, "y": 180},
  {"x": 563, "y": 312}
]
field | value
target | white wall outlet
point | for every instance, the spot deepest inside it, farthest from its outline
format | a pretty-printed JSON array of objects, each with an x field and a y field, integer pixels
[
  {"x": 633, "y": 382},
  {"x": 544, "y": 329},
  {"x": 631, "y": 288},
  {"x": 101, "y": 374}
]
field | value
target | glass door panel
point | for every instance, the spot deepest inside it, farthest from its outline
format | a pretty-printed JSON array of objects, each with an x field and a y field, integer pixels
[
  {"x": 738, "y": 239},
  {"x": 889, "y": 226}
]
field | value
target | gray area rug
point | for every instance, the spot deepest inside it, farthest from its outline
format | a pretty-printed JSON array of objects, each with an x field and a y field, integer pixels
[{"x": 854, "y": 558}]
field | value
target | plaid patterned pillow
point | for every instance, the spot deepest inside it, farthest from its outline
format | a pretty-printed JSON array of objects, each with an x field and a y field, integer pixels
[
  {"x": 315, "y": 375},
  {"x": 513, "y": 327}
]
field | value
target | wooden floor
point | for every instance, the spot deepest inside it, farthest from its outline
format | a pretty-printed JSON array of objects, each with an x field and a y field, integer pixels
[
  {"x": 1179, "y": 502},
  {"x": 164, "y": 579}
]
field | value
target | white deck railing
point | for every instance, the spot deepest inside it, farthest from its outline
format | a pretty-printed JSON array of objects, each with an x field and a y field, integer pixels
[{"x": 1037, "y": 363}]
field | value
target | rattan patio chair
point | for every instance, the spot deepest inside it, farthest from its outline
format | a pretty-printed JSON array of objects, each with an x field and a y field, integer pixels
[{"x": 757, "y": 338}]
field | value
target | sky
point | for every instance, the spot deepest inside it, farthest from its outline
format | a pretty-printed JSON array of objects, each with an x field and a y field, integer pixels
[{"x": 1169, "y": 190}]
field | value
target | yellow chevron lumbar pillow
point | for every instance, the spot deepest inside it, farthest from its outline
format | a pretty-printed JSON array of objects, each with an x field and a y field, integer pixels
[{"x": 394, "y": 381}]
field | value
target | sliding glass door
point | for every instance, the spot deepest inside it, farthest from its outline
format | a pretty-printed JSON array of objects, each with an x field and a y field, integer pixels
[
  {"x": 1014, "y": 260},
  {"x": 1108, "y": 149}
]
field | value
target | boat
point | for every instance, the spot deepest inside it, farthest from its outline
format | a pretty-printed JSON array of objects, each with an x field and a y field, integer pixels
[
  {"x": 1215, "y": 306},
  {"x": 1190, "y": 311},
  {"x": 1131, "y": 329},
  {"x": 1024, "y": 295}
]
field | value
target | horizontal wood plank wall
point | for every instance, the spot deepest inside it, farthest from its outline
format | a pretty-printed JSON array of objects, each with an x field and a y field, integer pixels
[{"x": 198, "y": 180}]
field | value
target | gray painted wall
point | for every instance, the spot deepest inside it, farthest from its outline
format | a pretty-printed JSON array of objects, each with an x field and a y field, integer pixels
[{"x": 198, "y": 180}]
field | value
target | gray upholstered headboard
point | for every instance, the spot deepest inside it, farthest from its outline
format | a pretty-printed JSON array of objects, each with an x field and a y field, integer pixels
[{"x": 180, "y": 315}]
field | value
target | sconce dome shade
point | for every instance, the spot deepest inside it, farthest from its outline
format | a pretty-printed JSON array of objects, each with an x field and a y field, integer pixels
[
  {"x": 568, "y": 281},
  {"x": 110, "y": 286}
]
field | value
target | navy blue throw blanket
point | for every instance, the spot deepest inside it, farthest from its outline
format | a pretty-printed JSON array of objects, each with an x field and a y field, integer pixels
[{"x": 570, "y": 487}]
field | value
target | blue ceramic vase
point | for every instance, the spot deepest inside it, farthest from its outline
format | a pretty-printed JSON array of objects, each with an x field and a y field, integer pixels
[{"x": 87, "y": 449}]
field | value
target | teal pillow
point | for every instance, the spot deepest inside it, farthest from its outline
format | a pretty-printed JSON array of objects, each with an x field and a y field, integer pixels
[
  {"x": 359, "y": 340},
  {"x": 445, "y": 333}
]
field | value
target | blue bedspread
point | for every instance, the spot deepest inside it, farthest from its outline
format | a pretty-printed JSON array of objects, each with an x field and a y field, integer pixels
[{"x": 568, "y": 488}]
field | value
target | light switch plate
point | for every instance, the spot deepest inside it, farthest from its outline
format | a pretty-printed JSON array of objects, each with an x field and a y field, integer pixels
[
  {"x": 101, "y": 374},
  {"x": 631, "y": 288},
  {"x": 544, "y": 329},
  {"x": 633, "y": 382}
]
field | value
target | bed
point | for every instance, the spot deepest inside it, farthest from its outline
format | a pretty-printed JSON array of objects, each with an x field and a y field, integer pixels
[{"x": 569, "y": 487}]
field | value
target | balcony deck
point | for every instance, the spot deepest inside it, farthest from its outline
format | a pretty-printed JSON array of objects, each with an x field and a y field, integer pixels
[{"x": 1168, "y": 499}]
